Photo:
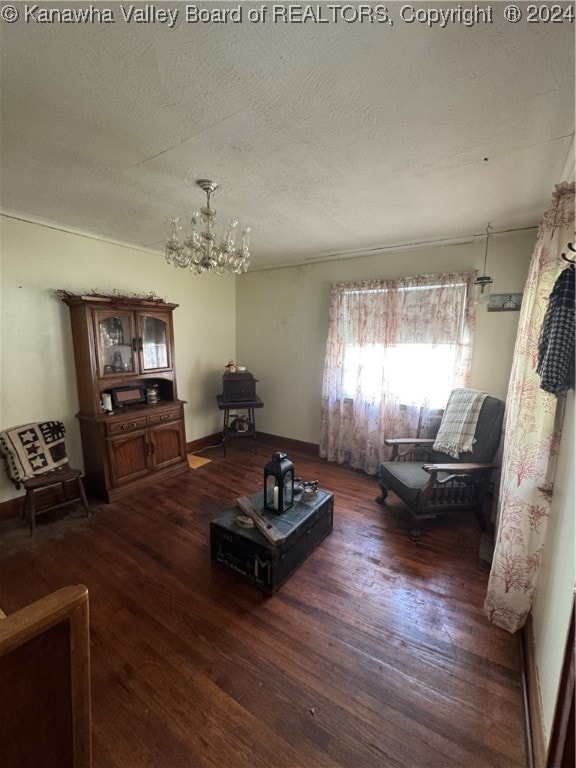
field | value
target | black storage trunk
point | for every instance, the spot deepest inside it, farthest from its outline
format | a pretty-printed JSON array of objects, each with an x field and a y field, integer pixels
[
  {"x": 238, "y": 387},
  {"x": 248, "y": 552}
]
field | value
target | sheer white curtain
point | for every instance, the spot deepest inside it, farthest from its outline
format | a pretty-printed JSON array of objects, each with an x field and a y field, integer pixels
[
  {"x": 531, "y": 433},
  {"x": 395, "y": 350}
]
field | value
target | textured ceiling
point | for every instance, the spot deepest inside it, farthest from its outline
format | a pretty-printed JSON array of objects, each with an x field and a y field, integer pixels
[{"x": 326, "y": 138}]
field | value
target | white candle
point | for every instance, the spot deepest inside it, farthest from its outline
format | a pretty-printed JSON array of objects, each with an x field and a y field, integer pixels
[{"x": 275, "y": 502}]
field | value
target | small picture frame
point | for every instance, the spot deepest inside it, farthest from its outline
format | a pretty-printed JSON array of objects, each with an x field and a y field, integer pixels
[
  {"x": 505, "y": 302},
  {"x": 123, "y": 396}
]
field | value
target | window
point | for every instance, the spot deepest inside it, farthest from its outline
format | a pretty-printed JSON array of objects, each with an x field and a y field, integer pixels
[
  {"x": 365, "y": 367},
  {"x": 395, "y": 350}
]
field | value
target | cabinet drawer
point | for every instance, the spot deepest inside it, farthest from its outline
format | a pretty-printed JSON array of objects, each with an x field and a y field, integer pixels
[
  {"x": 164, "y": 417},
  {"x": 127, "y": 425}
]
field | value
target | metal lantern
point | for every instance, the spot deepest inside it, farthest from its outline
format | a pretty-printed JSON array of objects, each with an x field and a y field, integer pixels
[{"x": 279, "y": 483}]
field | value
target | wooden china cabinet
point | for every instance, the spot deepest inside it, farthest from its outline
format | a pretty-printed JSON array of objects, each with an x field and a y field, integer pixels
[{"x": 124, "y": 352}]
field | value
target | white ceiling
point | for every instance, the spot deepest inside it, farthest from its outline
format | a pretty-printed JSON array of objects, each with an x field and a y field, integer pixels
[{"x": 326, "y": 138}]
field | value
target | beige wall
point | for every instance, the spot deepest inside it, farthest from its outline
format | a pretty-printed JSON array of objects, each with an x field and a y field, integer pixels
[
  {"x": 37, "y": 379},
  {"x": 557, "y": 576},
  {"x": 282, "y": 322}
]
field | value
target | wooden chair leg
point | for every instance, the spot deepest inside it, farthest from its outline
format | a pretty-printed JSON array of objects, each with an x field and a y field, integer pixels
[
  {"x": 83, "y": 496},
  {"x": 30, "y": 511},
  {"x": 383, "y": 494},
  {"x": 480, "y": 517},
  {"x": 68, "y": 495},
  {"x": 415, "y": 533}
]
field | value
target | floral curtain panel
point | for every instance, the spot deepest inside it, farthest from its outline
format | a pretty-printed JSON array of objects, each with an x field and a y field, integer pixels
[
  {"x": 385, "y": 338},
  {"x": 532, "y": 433}
]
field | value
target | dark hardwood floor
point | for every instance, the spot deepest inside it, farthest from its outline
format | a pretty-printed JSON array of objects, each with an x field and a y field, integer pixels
[{"x": 374, "y": 653}]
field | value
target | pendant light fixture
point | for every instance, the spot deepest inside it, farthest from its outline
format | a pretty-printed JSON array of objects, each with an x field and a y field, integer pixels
[
  {"x": 483, "y": 282},
  {"x": 196, "y": 248}
]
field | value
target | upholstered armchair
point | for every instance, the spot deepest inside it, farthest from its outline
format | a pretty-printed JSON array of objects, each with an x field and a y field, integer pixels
[{"x": 430, "y": 482}]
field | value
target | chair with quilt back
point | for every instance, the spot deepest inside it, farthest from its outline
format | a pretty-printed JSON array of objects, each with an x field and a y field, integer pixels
[
  {"x": 453, "y": 473},
  {"x": 35, "y": 458}
]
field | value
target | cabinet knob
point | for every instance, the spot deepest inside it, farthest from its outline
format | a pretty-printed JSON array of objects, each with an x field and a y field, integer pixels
[
  {"x": 166, "y": 417},
  {"x": 129, "y": 425}
]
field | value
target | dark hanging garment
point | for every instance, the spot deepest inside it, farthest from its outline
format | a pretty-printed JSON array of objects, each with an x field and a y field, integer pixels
[{"x": 557, "y": 337}]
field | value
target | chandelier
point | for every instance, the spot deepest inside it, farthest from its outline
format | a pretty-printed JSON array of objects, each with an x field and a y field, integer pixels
[{"x": 196, "y": 247}]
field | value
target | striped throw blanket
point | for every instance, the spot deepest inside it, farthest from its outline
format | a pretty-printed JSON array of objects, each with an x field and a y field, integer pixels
[{"x": 458, "y": 425}]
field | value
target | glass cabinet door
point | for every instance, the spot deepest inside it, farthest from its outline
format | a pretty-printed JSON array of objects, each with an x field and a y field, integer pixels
[
  {"x": 154, "y": 346},
  {"x": 115, "y": 340}
]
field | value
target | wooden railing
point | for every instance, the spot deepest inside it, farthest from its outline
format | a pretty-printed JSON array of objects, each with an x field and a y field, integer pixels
[{"x": 45, "y": 683}]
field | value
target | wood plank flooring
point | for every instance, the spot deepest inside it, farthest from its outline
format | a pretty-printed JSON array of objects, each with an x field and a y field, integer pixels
[{"x": 375, "y": 653}]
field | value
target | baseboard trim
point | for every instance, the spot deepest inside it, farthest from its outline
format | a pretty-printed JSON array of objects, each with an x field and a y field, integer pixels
[
  {"x": 287, "y": 444},
  {"x": 11, "y": 508},
  {"x": 210, "y": 441},
  {"x": 277, "y": 442},
  {"x": 535, "y": 747}
]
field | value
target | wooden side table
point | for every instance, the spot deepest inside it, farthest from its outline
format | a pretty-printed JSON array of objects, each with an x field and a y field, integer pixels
[{"x": 231, "y": 407}]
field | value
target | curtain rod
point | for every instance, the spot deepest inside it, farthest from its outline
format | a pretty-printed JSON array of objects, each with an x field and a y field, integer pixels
[{"x": 418, "y": 244}]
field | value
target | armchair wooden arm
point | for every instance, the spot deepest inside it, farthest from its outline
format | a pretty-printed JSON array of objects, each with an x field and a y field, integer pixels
[
  {"x": 409, "y": 440},
  {"x": 397, "y": 442},
  {"x": 457, "y": 469}
]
